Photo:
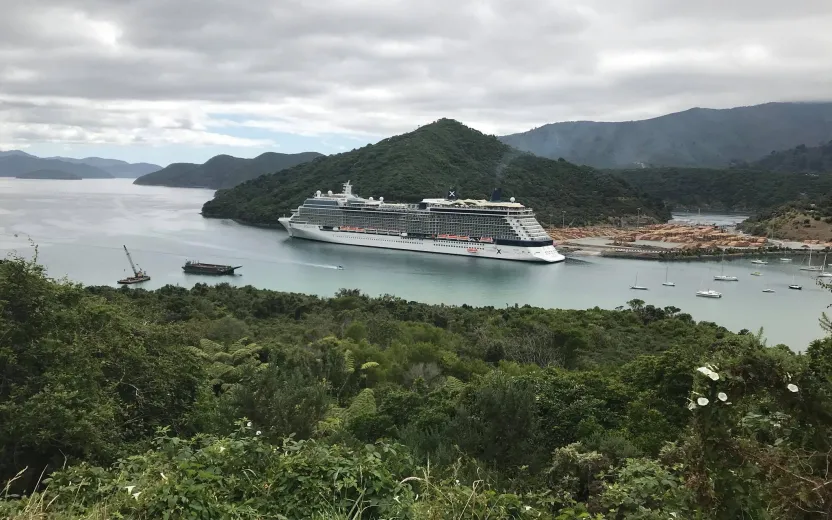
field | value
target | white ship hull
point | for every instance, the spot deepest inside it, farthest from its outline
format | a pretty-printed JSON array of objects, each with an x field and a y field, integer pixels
[{"x": 545, "y": 254}]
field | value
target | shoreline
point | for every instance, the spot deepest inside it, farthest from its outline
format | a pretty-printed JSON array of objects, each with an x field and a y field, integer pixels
[{"x": 677, "y": 242}]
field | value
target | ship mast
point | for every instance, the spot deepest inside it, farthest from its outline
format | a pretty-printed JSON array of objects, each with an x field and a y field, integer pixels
[{"x": 130, "y": 259}]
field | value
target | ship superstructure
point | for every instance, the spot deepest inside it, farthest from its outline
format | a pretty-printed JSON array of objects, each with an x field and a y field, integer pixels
[{"x": 493, "y": 229}]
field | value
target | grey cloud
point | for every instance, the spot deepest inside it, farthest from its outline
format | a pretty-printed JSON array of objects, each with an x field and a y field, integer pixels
[{"x": 382, "y": 67}]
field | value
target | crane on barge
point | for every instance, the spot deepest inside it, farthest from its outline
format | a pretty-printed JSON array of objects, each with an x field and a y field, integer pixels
[{"x": 138, "y": 274}]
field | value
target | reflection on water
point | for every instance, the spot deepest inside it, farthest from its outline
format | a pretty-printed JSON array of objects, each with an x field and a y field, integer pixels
[{"x": 82, "y": 237}]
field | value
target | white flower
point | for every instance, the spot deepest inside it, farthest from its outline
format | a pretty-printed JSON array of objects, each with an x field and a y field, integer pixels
[
  {"x": 691, "y": 406},
  {"x": 528, "y": 508},
  {"x": 222, "y": 449},
  {"x": 136, "y": 494},
  {"x": 673, "y": 514},
  {"x": 129, "y": 488},
  {"x": 722, "y": 396},
  {"x": 457, "y": 482},
  {"x": 163, "y": 476},
  {"x": 702, "y": 401},
  {"x": 248, "y": 424},
  {"x": 708, "y": 372},
  {"x": 258, "y": 432},
  {"x": 792, "y": 387}
]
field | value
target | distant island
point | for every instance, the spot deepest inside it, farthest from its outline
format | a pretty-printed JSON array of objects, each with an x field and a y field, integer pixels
[
  {"x": 223, "y": 171},
  {"x": 698, "y": 138},
  {"x": 430, "y": 160},
  {"x": 49, "y": 174},
  {"x": 15, "y": 163}
]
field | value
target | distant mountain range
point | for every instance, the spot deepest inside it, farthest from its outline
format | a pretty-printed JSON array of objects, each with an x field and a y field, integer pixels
[
  {"x": 698, "y": 137},
  {"x": 15, "y": 163},
  {"x": 223, "y": 171},
  {"x": 429, "y": 161}
]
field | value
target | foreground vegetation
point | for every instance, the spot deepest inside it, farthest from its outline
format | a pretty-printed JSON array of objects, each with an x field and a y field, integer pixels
[
  {"x": 221, "y": 402},
  {"x": 429, "y": 161}
]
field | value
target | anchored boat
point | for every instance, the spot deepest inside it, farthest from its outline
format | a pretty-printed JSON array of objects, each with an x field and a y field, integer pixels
[{"x": 215, "y": 269}]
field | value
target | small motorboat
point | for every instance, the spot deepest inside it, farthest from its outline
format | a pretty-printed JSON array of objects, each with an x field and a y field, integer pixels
[
  {"x": 710, "y": 293},
  {"x": 756, "y": 273},
  {"x": 759, "y": 262},
  {"x": 339, "y": 267},
  {"x": 768, "y": 290},
  {"x": 795, "y": 286},
  {"x": 726, "y": 278}
]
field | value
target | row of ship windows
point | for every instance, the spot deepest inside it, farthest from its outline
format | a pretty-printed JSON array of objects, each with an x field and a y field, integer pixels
[{"x": 442, "y": 242}]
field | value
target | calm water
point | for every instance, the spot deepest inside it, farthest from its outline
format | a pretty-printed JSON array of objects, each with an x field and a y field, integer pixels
[{"x": 80, "y": 227}]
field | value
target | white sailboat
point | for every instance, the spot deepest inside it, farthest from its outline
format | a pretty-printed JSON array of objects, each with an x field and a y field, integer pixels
[
  {"x": 638, "y": 287},
  {"x": 666, "y": 282},
  {"x": 759, "y": 262},
  {"x": 794, "y": 285},
  {"x": 823, "y": 272},
  {"x": 767, "y": 289},
  {"x": 811, "y": 267},
  {"x": 722, "y": 277}
]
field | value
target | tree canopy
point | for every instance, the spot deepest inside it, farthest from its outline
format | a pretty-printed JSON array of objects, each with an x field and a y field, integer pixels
[
  {"x": 222, "y": 402},
  {"x": 800, "y": 159},
  {"x": 733, "y": 190}
]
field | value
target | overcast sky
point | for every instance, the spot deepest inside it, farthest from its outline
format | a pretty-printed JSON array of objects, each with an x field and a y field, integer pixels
[{"x": 182, "y": 80}]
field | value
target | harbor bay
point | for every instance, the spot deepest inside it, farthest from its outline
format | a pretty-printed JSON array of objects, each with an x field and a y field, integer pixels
[{"x": 80, "y": 229}]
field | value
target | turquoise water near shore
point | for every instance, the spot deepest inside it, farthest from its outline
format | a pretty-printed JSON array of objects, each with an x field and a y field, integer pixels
[{"x": 80, "y": 228}]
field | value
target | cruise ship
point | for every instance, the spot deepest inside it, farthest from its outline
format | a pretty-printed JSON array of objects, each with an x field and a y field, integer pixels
[{"x": 474, "y": 228}]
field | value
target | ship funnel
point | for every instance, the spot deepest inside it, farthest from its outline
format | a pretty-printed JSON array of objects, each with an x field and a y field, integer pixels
[
  {"x": 452, "y": 194},
  {"x": 496, "y": 194}
]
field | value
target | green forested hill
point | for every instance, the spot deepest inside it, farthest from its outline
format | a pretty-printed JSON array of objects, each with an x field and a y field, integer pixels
[
  {"x": 426, "y": 163},
  {"x": 695, "y": 138},
  {"x": 725, "y": 189},
  {"x": 223, "y": 171},
  {"x": 238, "y": 403},
  {"x": 802, "y": 158}
]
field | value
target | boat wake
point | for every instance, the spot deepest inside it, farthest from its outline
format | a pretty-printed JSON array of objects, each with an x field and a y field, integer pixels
[{"x": 322, "y": 266}]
